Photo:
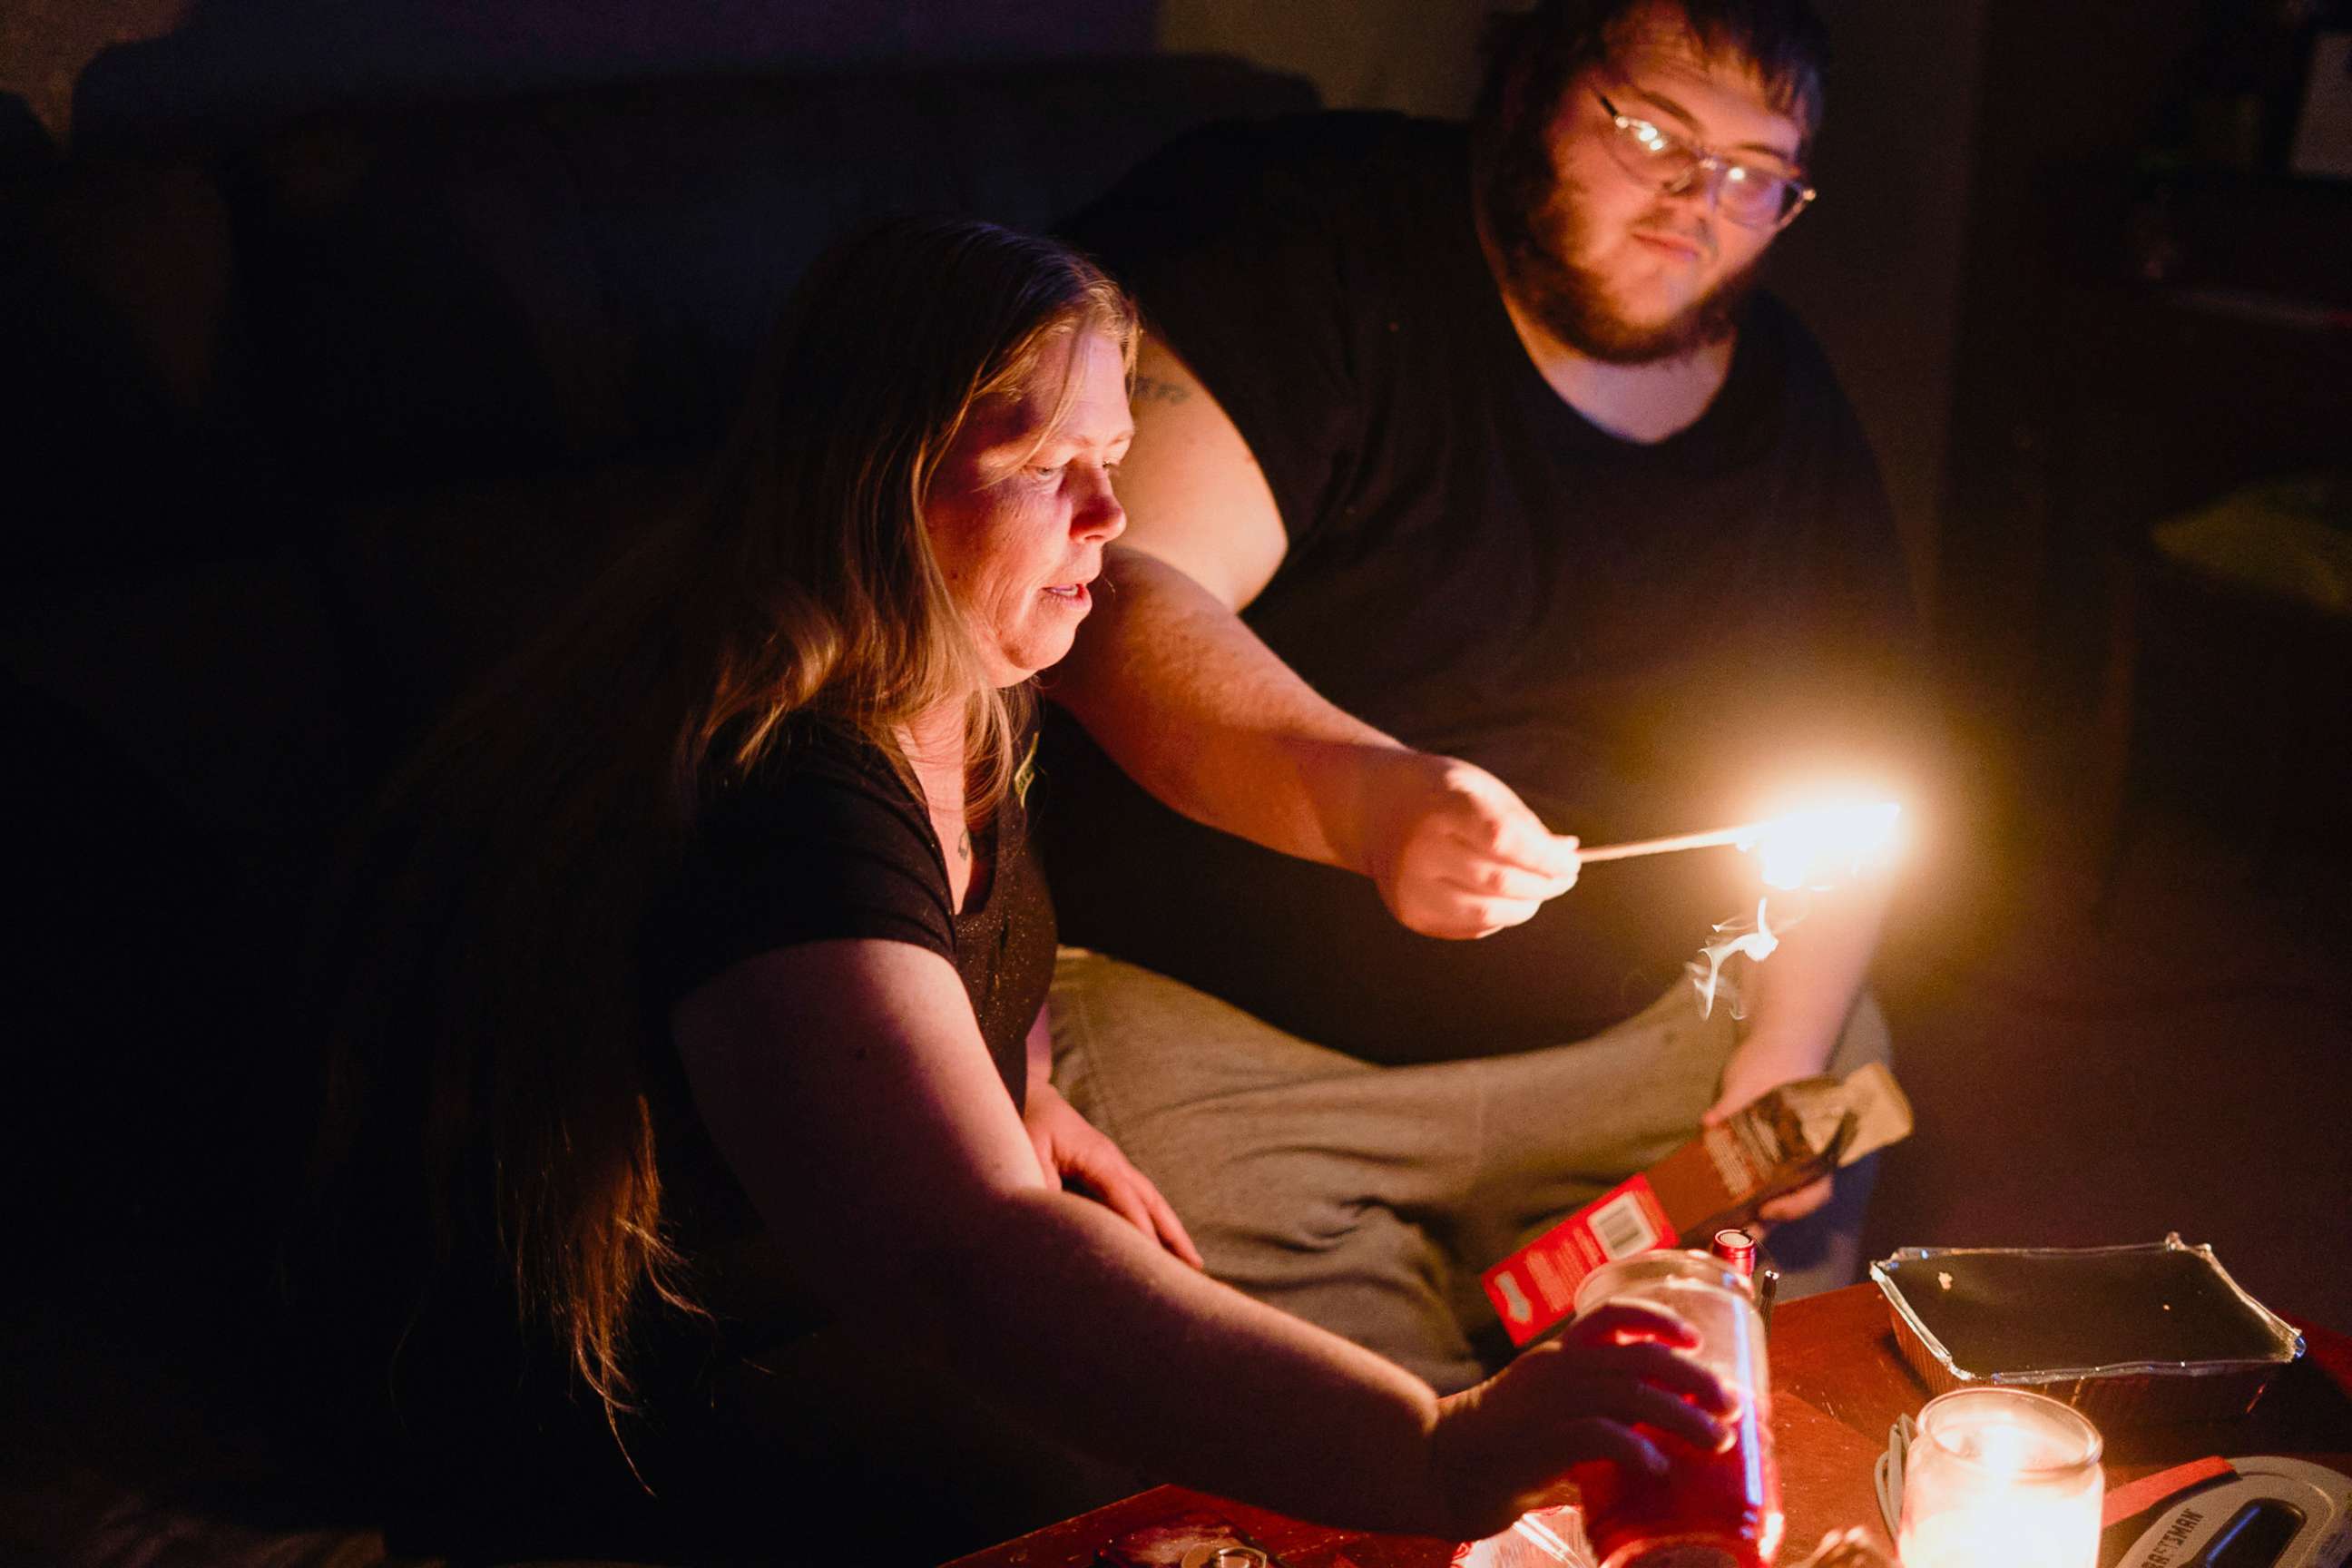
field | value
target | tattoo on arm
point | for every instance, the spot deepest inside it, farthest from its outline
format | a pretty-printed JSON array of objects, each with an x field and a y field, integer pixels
[{"x": 1151, "y": 389}]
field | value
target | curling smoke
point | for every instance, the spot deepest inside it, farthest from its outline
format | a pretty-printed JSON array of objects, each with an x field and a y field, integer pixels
[
  {"x": 1732, "y": 937},
  {"x": 1816, "y": 848}
]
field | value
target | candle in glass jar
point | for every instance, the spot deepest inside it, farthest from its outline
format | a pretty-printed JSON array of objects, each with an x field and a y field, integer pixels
[{"x": 2000, "y": 1477}]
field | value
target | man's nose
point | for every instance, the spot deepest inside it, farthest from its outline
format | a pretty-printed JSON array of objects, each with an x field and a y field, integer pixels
[
  {"x": 1696, "y": 200},
  {"x": 1702, "y": 185}
]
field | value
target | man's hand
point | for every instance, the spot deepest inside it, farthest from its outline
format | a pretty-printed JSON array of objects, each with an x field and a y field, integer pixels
[
  {"x": 1765, "y": 1061},
  {"x": 1454, "y": 851},
  {"x": 1070, "y": 1147}
]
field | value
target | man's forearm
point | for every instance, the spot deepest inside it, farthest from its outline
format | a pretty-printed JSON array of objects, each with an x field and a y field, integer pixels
[
  {"x": 1193, "y": 707},
  {"x": 1800, "y": 997}
]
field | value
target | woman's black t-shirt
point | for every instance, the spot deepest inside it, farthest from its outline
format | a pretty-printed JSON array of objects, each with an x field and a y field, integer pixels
[
  {"x": 823, "y": 840},
  {"x": 481, "y": 1436}
]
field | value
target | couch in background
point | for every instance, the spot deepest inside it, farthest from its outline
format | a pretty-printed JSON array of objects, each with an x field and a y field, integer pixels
[{"x": 305, "y": 424}]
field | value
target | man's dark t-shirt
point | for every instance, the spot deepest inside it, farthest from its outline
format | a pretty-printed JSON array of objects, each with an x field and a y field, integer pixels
[{"x": 1638, "y": 638}]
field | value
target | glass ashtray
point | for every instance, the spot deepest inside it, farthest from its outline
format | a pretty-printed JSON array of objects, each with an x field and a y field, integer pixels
[{"x": 2127, "y": 1335}]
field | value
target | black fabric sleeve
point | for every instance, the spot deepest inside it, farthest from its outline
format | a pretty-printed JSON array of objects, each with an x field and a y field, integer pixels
[
  {"x": 822, "y": 843},
  {"x": 1230, "y": 240}
]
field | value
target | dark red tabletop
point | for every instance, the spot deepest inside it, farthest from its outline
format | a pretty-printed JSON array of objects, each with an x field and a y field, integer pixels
[{"x": 1838, "y": 1384}]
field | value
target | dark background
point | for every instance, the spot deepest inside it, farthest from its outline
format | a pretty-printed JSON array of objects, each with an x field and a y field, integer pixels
[
  {"x": 2074, "y": 288},
  {"x": 2000, "y": 179}
]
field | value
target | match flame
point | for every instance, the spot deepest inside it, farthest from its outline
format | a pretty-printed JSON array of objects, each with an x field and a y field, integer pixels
[
  {"x": 1815, "y": 847},
  {"x": 1823, "y": 845}
]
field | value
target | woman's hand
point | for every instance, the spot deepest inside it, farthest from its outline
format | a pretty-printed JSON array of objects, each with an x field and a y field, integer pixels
[
  {"x": 1069, "y": 1148},
  {"x": 1454, "y": 851},
  {"x": 1506, "y": 1445}
]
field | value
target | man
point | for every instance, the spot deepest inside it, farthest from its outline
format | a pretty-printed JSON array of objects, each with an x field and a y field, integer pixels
[{"x": 1476, "y": 494}]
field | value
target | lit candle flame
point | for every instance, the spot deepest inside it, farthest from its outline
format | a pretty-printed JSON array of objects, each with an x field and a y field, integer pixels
[{"x": 2003, "y": 1450}]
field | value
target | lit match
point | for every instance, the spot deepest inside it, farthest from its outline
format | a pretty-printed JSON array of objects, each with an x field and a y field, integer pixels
[{"x": 1791, "y": 849}]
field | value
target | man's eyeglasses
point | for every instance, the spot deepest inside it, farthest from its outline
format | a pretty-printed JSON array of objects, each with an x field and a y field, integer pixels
[{"x": 1745, "y": 194}]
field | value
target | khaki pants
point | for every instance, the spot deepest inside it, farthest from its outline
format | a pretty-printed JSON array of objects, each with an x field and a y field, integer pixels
[{"x": 1368, "y": 1199}]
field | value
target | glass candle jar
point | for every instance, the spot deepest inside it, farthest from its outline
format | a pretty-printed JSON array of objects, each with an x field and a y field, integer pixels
[
  {"x": 1709, "y": 1510},
  {"x": 2000, "y": 1476}
]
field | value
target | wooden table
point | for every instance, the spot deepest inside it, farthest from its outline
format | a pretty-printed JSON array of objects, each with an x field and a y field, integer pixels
[{"x": 1838, "y": 1384}]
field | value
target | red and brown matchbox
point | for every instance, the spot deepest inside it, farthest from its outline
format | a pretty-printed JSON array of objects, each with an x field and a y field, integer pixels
[{"x": 1777, "y": 1144}]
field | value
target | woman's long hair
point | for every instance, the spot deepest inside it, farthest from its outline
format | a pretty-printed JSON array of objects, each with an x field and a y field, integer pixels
[{"x": 492, "y": 1012}]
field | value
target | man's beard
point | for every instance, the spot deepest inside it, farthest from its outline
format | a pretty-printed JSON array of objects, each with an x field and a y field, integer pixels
[{"x": 1533, "y": 218}]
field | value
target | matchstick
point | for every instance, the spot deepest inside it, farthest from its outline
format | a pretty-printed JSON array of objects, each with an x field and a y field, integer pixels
[{"x": 1639, "y": 847}]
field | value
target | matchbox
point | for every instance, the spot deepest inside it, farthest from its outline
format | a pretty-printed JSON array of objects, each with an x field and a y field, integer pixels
[{"x": 1784, "y": 1139}]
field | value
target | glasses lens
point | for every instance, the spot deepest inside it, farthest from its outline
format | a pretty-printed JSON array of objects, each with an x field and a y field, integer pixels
[
  {"x": 1651, "y": 155},
  {"x": 1751, "y": 197}
]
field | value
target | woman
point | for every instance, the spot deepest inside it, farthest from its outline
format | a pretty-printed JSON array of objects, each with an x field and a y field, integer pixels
[{"x": 704, "y": 948}]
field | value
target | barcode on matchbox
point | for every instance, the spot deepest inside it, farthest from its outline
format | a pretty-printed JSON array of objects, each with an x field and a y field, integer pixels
[
  {"x": 1622, "y": 1228},
  {"x": 1536, "y": 1287}
]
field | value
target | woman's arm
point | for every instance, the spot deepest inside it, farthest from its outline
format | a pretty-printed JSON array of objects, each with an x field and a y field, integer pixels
[
  {"x": 847, "y": 1084},
  {"x": 1072, "y": 1148}
]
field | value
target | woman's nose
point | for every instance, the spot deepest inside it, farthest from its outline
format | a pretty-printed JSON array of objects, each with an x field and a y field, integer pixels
[{"x": 1098, "y": 517}]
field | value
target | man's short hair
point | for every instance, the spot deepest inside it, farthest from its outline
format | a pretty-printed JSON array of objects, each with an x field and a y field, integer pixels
[{"x": 1532, "y": 55}]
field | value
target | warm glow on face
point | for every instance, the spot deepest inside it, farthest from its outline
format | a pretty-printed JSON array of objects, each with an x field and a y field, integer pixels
[{"x": 1823, "y": 845}]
